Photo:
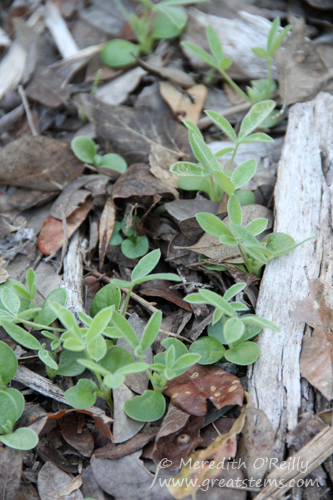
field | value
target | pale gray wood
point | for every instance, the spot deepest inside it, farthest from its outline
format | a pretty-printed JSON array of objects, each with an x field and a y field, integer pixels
[
  {"x": 303, "y": 206},
  {"x": 73, "y": 273}
]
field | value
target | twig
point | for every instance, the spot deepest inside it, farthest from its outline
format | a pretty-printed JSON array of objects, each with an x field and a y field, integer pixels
[
  {"x": 10, "y": 118},
  {"x": 27, "y": 110}
]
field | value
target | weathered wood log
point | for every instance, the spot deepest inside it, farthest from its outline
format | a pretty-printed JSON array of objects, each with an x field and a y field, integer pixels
[{"x": 303, "y": 208}]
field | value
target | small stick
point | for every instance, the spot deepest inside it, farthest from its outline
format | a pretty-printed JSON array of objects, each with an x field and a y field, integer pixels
[{"x": 27, "y": 110}]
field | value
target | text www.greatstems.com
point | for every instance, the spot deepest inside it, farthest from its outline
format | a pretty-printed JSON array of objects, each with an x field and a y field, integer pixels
[{"x": 236, "y": 483}]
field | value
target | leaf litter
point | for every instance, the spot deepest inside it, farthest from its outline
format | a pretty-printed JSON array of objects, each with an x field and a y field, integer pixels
[{"x": 84, "y": 453}]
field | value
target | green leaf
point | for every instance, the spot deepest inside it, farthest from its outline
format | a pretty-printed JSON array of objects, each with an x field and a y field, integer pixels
[
  {"x": 21, "y": 336},
  {"x": 170, "y": 356},
  {"x": 251, "y": 319},
  {"x": 257, "y": 137},
  {"x": 203, "y": 154},
  {"x": 21, "y": 291},
  {"x": 243, "y": 234},
  {"x": 31, "y": 280},
  {"x": 177, "y": 16},
  {"x": 199, "y": 184},
  {"x": 233, "y": 290},
  {"x": 133, "y": 368},
  {"x": 8, "y": 409},
  {"x": 69, "y": 365},
  {"x": 250, "y": 332},
  {"x": 121, "y": 283},
  {"x": 228, "y": 240},
  {"x": 159, "y": 276},
  {"x": 280, "y": 243},
  {"x": 214, "y": 43},
  {"x": 256, "y": 253},
  {"x": 212, "y": 224},
  {"x": 225, "y": 63},
  {"x": 195, "y": 298},
  {"x": 233, "y": 330},
  {"x": 135, "y": 247},
  {"x": 113, "y": 381},
  {"x": 180, "y": 348},
  {"x": 118, "y": 53},
  {"x": 218, "y": 313},
  {"x": 72, "y": 343},
  {"x": 278, "y": 39},
  {"x": 234, "y": 210},
  {"x": 186, "y": 168},
  {"x": 274, "y": 29},
  {"x": 164, "y": 28},
  {"x": 215, "y": 330},
  {"x": 125, "y": 330},
  {"x": 210, "y": 349},
  {"x": 146, "y": 265},
  {"x": 84, "y": 149},
  {"x": 97, "y": 348},
  {"x": 223, "y": 124},
  {"x": 22, "y": 439},
  {"x": 217, "y": 301},
  {"x": 257, "y": 226},
  {"x": 100, "y": 321},
  {"x": 259, "y": 51},
  {"x": 244, "y": 354},
  {"x": 47, "y": 359},
  {"x": 115, "y": 358},
  {"x": 148, "y": 407},
  {"x": 109, "y": 295},
  {"x": 82, "y": 395},
  {"x": 18, "y": 399},
  {"x": 225, "y": 182},
  {"x": 223, "y": 151},
  {"x": 10, "y": 300},
  {"x": 243, "y": 173},
  {"x": 92, "y": 366},
  {"x": 9, "y": 283},
  {"x": 151, "y": 331},
  {"x": 255, "y": 116},
  {"x": 113, "y": 161},
  {"x": 66, "y": 318},
  {"x": 8, "y": 364},
  {"x": 47, "y": 315},
  {"x": 199, "y": 52},
  {"x": 185, "y": 361},
  {"x": 182, "y": 2}
]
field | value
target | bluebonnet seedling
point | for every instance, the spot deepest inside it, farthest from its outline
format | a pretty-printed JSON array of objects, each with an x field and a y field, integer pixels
[{"x": 85, "y": 150}]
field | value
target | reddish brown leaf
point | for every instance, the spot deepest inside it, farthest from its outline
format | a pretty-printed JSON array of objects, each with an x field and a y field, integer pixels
[
  {"x": 191, "y": 390},
  {"x": 136, "y": 443},
  {"x": 38, "y": 162},
  {"x": 161, "y": 288},
  {"x": 77, "y": 435},
  {"x": 178, "y": 437},
  {"x": 52, "y": 235},
  {"x": 102, "y": 422}
]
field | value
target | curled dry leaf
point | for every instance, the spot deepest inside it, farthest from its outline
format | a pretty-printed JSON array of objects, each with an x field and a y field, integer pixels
[
  {"x": 187, "y": 105},
  {"x": 106, "y": 225},
  {"x": 178, "y": 437},
  {"x": 136, "y": 443},
  {"x": 137, "y": 183},
  {"x": 161, "y": 288},
  {"x": 52, "y": 235},
  {"x": 191, "y": 390},
  {"x": 223, "y": 448},
  {"x": 76, "y": 434},
  {"x": 132, "y": 132},
  {"x": 38, "y": 162},
  {"x": 102, "y": 421},
  {"x": 317, "y": 350}
]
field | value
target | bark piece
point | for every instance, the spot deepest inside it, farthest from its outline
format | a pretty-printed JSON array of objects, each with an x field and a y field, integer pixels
[{"x": 303, "y": 209}]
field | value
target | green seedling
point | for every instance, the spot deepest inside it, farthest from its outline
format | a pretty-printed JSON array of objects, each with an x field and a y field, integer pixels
[
  {"x": 85, "y": 150},
  {"x": 163, "y": 20},
  {"x": 132, "y": 245},
  {"x": 254, "y": 253},
  {"x": 209, "y": 175},
  {"x": 228, "y": 329},
  {"x": 12, "y": 405},
  {"x": 261, "y": 89}
]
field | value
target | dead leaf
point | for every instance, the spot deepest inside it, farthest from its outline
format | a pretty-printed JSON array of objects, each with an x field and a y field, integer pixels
[
  {"x": 187, "y": 105},
  {"x": 27, "y": 492},
  {"x": 142, "y": 130},
  {"x": 10, "y": 472},
  {"x": 161, "y": 288},
  {"x": 38, "y": 162},
  {"x": 102, "y": 422},
  {"x": 174, "y": 75},
  {"x": 138, "y": 184},
  {"x": 160, "y": 162},
  {"x": 178, "y": 437},
  {"x": 117, "y": 91},
  {"x": 17, "y": 199},
  {"x": 299, "y": 61},
  {"x": 211, "y": 247},
  {"x": 321, "y": 4},
  {"x": 208, "y": 461},
  {"x": 90, "y": 486},
  {"x": 191, "y": 390},
  {"x": 124, "y": 427},
  {"x": 52, "y": 484},
  {"x": 136, "y": 443},
  {"x": 52, "y": 235},
  {"x": 126, "y": 478},
  {"x": 317, "y": 353},
  {"x": 3, "y": 273},
  {"x": 76, "y": 434},
  {"x": 106, "y": 225},
  {"x": 184, "y": 211}
]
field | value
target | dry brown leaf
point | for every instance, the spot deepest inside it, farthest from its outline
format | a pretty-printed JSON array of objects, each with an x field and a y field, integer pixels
[
  {"x": 317, "y": 350},
  {"x": 299, "y": 61},
  {"x": 178, "y": 437},
  {"x": 4, "y": 275},
  {"x": 52, "y": 235},
  {"x": 191, "y": 390},
  {"x": 187, "y": 105},
  {"x": 106, "y": 225},
  {"x": 174, "y": 75},
  {"x": 38, "y": 162},
  {"x": 10, "y": 473},
  {"x": 52, "y": 483},
  {"x": 136, "y": 443},
  {"x": 76, "y": 434},
  {"x": 161, "y": 288},
  {"x": 160, "y": 162}
]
